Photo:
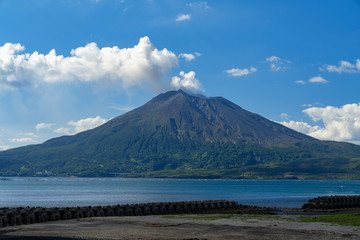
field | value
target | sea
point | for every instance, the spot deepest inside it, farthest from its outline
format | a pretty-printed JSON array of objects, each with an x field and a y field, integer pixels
[{"x": 69, "y": 192}]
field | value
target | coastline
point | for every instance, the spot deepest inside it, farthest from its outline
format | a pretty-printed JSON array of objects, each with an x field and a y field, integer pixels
[{"x": 221, "y": 220}]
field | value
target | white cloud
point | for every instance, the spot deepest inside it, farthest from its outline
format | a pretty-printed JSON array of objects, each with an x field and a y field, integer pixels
[
  {"x": 317, "y": 79},
  {"x": 63, "y": 131},
  {"x": 187, "y": 56},
  {"x": 23, "y": 140},
  {"x": 186, "y": 81},
  {"x": 277, "y": 64},
  {"x": 81, "y": 125},
  {"x": 87, "y": 123},
  {"x": 127, "y": 67},
  {"x": 183, "y": 17},
  {"x": 30, "y": 134},
  {"x": 27, "y": 137},
  {"x": 41, "y": 126},
  {"x": 302, "y": 127},
  {"x": 312, "y": 104},
  {"x": 273, "y": 59},
  {"x": 122, "y": 108},
  {"x": 339, "y": 123},
  {"x": 4, "y": 147},
  {"x": 203, "y": 5},
  {"x": 300, "y": 82},
  {"x": 236, "y": 72},
  {"x": 284, "y": 116},
  {"x": 343, "y": 67}
]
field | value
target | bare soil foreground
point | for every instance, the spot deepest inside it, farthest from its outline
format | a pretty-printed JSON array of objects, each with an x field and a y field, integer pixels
[{"x": 184, "y": 227}]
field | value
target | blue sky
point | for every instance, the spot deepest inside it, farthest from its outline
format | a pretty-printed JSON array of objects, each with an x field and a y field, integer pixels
[{"x": 70, "y": 65}]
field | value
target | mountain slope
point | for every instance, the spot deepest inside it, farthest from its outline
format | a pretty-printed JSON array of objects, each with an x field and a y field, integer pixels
[{"x": 177, "y": 134}]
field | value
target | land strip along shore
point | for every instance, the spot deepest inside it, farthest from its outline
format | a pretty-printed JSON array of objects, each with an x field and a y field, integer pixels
[
  {"x": 183, "y": 227},
  {"x": 222, "y": 220}
]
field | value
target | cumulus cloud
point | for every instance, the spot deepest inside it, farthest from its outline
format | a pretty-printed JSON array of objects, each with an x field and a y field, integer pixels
[
  {"x": 42, "y": 126},
  {"x": 343, "y": 67},
  {"x": 128, "y": 67},
  {"x": 339, "y": 123},
  {"x": 23, "y": 140},
  {"x": 186, "y": 81},
  {"x": 183, "y": 17},
  {"x": 187, "y": 56},
  {"x": 80, "y": 125},
  {"x": 236, "y": 72},
  {"x": 317, "y": 79},
  {"x": 302, "y": 127},
  {"x": 87, "y": 123},
  {"x": 277, "y": 64}
]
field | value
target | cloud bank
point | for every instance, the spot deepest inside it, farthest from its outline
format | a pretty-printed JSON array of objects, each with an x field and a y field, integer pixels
[
  {"x": 339, "y": 123},
  {"x": 302, "y": 127},
  {"x": 22, "y": 140},
  {"x": 128, "y": 67}
]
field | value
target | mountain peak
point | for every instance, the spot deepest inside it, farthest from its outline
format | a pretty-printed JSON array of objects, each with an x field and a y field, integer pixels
[{"x": 199, "y": 119}]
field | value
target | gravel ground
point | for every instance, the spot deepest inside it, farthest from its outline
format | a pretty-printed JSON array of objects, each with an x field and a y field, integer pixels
[{"x": 245, "y": 227}]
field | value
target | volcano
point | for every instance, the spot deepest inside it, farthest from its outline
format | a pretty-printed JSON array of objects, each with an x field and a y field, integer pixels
[{"x": 177, "y": 134}]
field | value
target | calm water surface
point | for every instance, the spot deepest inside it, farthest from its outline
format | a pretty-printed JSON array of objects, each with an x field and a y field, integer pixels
[{"x": 60, "y": 192}]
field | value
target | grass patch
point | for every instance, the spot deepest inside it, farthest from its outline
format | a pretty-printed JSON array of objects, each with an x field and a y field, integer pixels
[
  {"x": 352, "y": 219},
  {"x": 201, "y": 217}
]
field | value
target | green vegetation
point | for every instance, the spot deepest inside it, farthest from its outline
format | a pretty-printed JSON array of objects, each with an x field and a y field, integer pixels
[
  {"x": 225, "y": 160},
  {"x": 352, "y": 219}
]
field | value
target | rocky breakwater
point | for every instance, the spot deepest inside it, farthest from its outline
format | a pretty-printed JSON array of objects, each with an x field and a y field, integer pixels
[
  {"x": 333, "y": 203},
  {"x": 29, "y": 215}
]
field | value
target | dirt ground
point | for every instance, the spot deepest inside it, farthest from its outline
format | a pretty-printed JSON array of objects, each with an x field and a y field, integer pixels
[{"x": 245, "y": 227}]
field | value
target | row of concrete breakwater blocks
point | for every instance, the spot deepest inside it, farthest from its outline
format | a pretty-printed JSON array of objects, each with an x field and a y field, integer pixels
[
  {"x": 29, "y": 215},
  {"x": 333, "y": 202}
]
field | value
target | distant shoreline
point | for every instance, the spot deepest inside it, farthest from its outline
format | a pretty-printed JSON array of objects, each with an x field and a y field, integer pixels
[{"x": 6, "y": 178}]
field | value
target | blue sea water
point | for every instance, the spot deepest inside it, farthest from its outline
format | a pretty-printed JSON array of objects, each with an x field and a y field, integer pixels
[{"x": 61, "y": 192}]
